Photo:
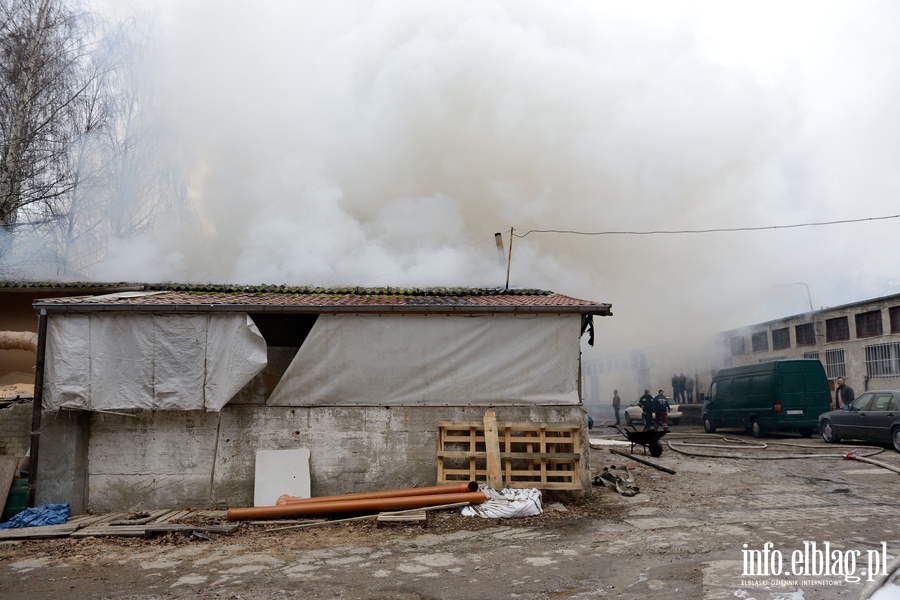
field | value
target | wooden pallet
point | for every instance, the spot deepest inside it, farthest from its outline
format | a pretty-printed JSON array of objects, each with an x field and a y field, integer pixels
[{"x": 546, "y": 456}]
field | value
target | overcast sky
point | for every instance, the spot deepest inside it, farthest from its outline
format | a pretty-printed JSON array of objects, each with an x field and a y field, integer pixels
[{"x": 384, "y": 143}]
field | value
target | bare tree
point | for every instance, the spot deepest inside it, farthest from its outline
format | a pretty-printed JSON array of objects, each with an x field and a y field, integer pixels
[
  {"x": 76, "y": 138},
  {"x": 43, "y": 46}
]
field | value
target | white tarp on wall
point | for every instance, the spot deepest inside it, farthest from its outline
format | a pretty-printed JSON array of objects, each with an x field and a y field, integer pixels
[
  {"x": 434, "y": 360},
  {"x": 106, "y": 361}
]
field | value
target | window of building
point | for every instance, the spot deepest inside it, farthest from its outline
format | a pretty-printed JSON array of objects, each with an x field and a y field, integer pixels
[
  {"x": 781, "y": 338},
  {"x": 894, "y": 314},
  {"x": 760, "y": 341},
  {"x": 834, "y": 363},
  {"x": 638, "y": 361},
  {"x": 814, "y": 354},
  {"x": 868, "y": 324},
  {"x": 883, "y": 360},
  {"x": 737, "y": 346},
  {"x": 837, "y": 329},
  {"x": 805, "y": 334}
]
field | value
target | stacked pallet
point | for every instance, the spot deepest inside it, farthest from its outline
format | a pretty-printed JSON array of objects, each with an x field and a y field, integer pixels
[{"x": 546, "y": 456}]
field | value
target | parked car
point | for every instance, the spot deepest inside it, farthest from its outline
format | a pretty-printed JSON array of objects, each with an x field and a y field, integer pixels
[
  {"x": 633, "y": 413},
  {"x": 874, "y": 417}
]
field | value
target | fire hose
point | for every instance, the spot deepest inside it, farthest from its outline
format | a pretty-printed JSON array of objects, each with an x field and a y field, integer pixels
[{"x": 853, "y": 456}]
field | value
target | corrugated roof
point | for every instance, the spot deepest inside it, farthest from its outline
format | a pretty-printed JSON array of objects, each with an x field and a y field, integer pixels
[{"x": 204, "y": 298}]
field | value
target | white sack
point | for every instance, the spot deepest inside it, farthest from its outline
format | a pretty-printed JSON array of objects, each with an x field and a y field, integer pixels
[
  {"x": 106, "y": 361},
  {"x": 384, "y": 360},
  {"x": 508, "y": 503}
]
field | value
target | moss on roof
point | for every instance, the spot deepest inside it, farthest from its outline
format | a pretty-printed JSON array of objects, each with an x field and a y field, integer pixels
[{"x": 207, "y": 288}]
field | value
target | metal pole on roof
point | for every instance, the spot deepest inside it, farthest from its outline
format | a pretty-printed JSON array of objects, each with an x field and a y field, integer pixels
[
  {"x": 509, "y": 260},
  {"x": 808, "y": 295},
  {"x": 37, "y": 404}
]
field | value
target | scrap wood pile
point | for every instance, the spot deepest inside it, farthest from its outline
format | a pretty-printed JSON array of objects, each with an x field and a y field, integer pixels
[{"x": 134, "y": 524}]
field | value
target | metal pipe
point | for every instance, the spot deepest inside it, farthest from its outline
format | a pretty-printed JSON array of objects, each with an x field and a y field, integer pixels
[
  {"x": 451, "y": 488},
  {"x": 37, "y": 406},
  {"x": 646, "y": 462},
  {"x": 350, "y": 506}
]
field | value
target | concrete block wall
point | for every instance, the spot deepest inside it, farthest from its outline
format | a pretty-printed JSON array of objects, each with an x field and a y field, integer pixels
[
  {"x": 63, "y": 459},
  {"x": 15, "y": 429},
  {"x": 207, "y": 460}
]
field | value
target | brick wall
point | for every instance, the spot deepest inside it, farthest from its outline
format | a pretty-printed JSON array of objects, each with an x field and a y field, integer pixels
[{"x": 15, "y": 429}]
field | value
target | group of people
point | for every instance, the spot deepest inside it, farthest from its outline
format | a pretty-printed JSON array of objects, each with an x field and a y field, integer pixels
[
  {"x": 682, "y": 388},
  {"x": 655, "y": 409}
]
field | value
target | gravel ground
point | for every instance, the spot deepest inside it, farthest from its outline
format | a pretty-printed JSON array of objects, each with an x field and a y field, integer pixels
[{"x": 686, "y": 535}]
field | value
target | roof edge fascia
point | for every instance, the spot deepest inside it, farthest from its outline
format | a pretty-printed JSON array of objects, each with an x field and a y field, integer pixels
[{"x": 56, "y": 308}]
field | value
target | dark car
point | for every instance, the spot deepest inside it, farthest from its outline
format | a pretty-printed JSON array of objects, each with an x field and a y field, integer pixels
[{"x": 874, "y": 416}]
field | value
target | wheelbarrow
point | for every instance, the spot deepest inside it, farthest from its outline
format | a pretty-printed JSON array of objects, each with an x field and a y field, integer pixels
[{"x": 648, "y": 439}]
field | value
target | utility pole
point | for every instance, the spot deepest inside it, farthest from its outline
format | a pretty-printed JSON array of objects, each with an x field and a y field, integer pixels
[{"x": 509, "y": 260}]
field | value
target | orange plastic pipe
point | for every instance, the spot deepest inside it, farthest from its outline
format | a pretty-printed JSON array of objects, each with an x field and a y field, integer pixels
[
  {"x": 451, "y": 488},
  {"x": 351, "y": 506}
]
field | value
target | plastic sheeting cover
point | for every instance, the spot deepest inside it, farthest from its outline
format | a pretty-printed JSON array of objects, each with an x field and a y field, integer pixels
[
  {"x": 506, "y": 504},
  {"x": 383, "y": 360},
  {"x": 150, "y": 361},
  {"x": 39, "y": 516}
]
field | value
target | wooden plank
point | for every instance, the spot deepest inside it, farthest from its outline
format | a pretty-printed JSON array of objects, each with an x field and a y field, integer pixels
[
  {"x": 8, "y": 466},
  {"x": 492, "y": 447},
  {"x": 472, "y": 442},
  {"x": 418, "y": 515},
  {"x": 108, "y": 518},
  {"x": 524, "y": 425},
  {"x": 268, "y": 522},
  {"x": 85, "y": 520},
  {"x": 151, "y": 516},
  {"x": 149, "y": 529},
  {"x": 44, "y": 531},
  {"x": 174, "y": 515},
  {"x": 178, "y": 527},
  {"x": 514, "y": 455},
  {"x": 106, "y": 531}
]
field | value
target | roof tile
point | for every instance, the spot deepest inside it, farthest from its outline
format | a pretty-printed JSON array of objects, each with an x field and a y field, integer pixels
[{"x": 209, "y": 297}]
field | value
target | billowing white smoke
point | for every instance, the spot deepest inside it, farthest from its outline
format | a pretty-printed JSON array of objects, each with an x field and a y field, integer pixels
[{"x": 383, "y": 143}]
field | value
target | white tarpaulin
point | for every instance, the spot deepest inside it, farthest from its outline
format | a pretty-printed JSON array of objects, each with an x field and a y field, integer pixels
[
  {"x": 385, "y": 360},
  {"x": 105, "y": 361}
]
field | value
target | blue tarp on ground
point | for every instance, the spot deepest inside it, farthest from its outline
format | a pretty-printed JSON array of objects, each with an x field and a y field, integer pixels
[{"x": 48, "y": 514}]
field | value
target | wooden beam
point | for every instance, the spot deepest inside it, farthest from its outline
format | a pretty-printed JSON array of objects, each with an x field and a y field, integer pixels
[{"x": 492, "y": 446}]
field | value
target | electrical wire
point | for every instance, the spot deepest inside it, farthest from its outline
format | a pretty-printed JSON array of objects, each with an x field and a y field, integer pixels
[{"x": 716, "y": 230}]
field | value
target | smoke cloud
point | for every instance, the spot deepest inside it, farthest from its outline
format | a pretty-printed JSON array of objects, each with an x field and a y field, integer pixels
[{"x": 384, "y": 143}]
